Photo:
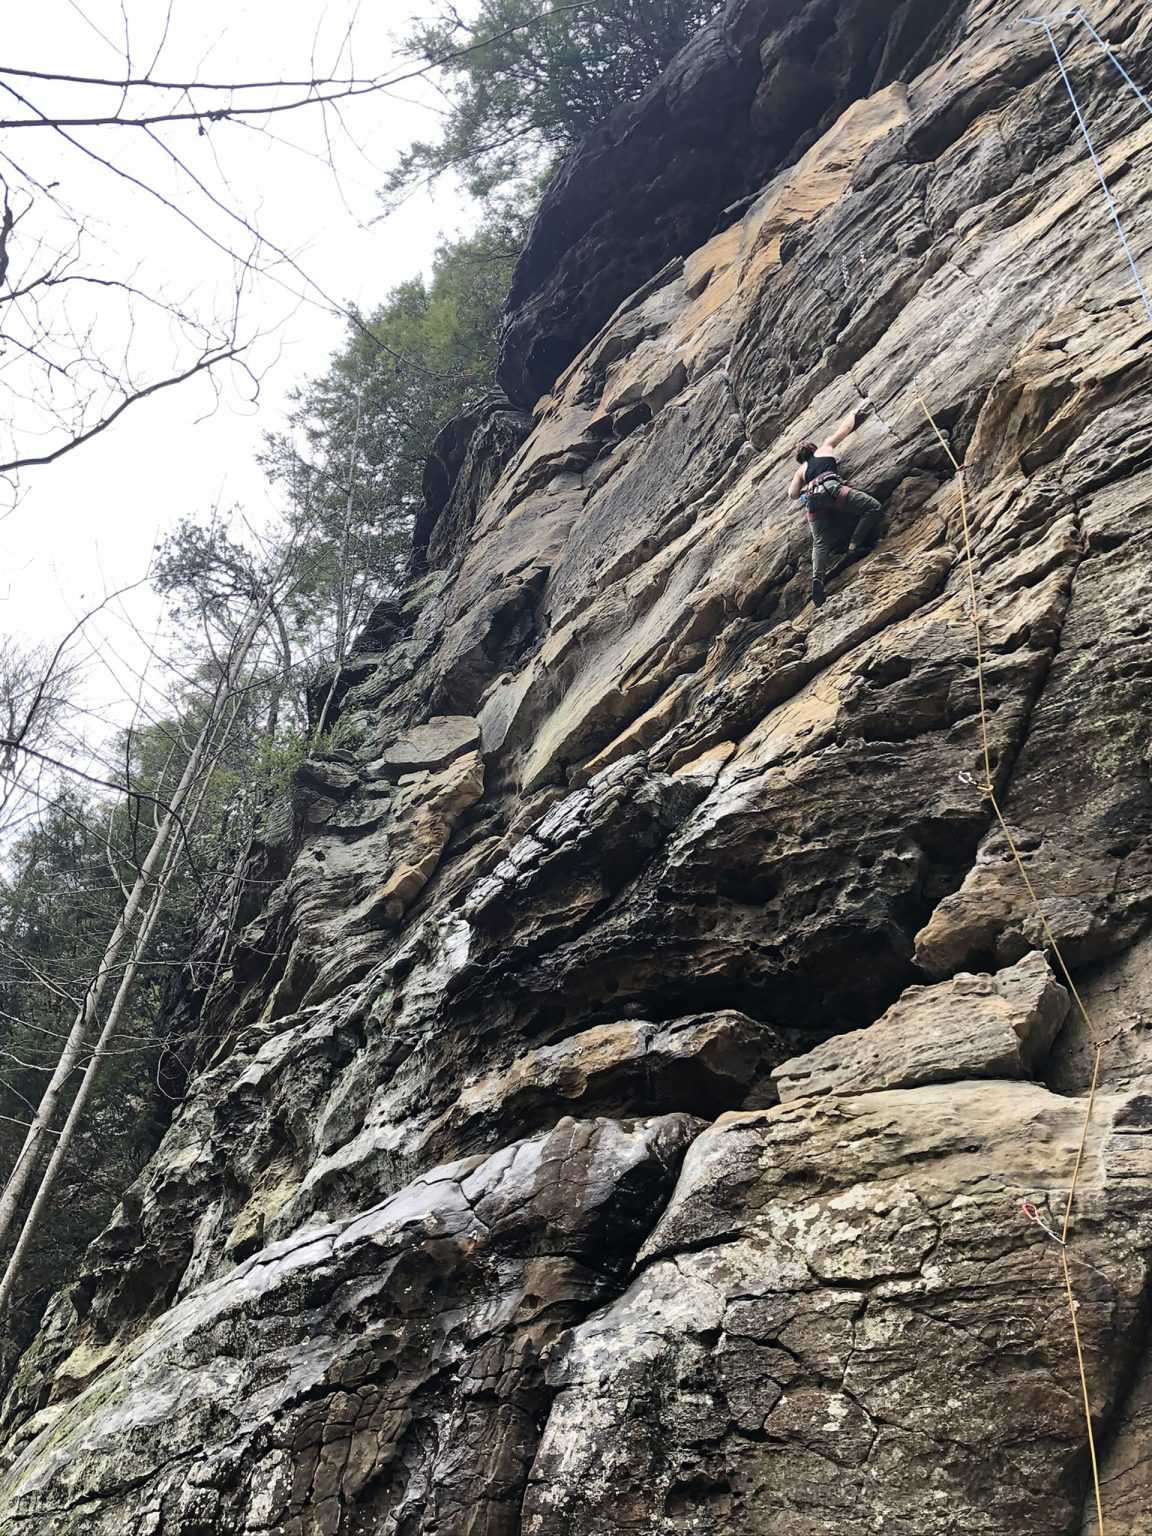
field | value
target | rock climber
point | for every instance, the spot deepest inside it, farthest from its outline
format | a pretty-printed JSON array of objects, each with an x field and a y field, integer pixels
[{"x": 831, "y": 502}]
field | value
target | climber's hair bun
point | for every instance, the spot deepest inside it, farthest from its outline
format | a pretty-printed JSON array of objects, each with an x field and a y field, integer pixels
[{"x": 804, "y": 451}]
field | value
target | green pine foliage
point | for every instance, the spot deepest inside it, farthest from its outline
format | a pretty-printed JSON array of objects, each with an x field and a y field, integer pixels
[
  {"x": 60, "y": 895},
  {"x": 528, "y": 78},
  {"x": 353, "y": 460},
  {"x": 524, "y": 80},
  {"x": 62, "y": 882}
]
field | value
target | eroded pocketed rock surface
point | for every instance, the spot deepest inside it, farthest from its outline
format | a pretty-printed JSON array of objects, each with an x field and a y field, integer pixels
[
  {"x": 839, "y": 1291},
  {"x": 388, "y": 1365},
  {"x": 626, "y": 843}
]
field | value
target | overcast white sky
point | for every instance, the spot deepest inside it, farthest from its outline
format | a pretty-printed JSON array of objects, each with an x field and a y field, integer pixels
[{"x": 89, "y": 522}]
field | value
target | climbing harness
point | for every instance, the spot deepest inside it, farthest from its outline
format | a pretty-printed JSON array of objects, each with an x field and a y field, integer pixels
[{"x": 825, "y": 493}]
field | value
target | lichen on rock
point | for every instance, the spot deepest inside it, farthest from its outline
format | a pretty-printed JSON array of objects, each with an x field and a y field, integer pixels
[{"x": 616, "y": 1108}]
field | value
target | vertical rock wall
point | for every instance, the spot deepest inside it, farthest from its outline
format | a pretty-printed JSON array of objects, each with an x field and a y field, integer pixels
[{"x": 616, "y": 1111}]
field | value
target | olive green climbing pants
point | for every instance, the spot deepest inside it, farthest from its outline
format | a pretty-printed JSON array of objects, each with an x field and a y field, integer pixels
[{"x": 854, "y": 523}]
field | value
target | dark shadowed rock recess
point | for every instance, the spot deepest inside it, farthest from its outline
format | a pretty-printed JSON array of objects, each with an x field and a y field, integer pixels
[{"x": 615, "y": 1112}]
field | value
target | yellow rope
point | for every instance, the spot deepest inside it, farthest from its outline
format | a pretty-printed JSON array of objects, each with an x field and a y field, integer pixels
[
  {"x": 1072, "y": 1306},
  {"x": 989, "y": 789}
]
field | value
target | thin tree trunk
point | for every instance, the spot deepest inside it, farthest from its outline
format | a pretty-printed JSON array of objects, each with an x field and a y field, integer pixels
[
  {"x": 341, "y": 590},
  {"x": 40, "y": 1128},
  {"x": 15, "y": 1265},
  {"x": 279, "y": 689}
]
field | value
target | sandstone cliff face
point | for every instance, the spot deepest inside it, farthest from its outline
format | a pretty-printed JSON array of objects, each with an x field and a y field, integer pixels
[{"x": 618, "y": 1115}]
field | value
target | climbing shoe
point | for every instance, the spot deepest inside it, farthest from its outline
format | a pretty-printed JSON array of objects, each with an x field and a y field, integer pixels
[
  {"x": 817, "y": 592},
  {"x": 850, "y": 556}
]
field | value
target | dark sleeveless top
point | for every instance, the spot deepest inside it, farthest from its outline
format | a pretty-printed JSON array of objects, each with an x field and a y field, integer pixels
[{"x": 819, "y": 465}]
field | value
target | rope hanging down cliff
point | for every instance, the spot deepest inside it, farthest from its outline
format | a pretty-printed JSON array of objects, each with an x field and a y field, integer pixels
[
  {"x": 1079, "y": 16},
  {"x": 988, "y": 788},
  {"x": 1064, "y": 1238}
]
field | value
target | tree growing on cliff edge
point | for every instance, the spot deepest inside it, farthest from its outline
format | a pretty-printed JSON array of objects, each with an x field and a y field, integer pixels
[
  {"x": 527, "y": 79},
  {"x": 235, "y": 619},
  {"x": 352, "y": 462},
  {"x": 524, "y": 80},
  {"x": 59, "y": 890},
  {"x": 89, "y": 330}
]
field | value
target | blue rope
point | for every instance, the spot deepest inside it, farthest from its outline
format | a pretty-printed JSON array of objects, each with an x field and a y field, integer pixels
[
  {"x": 1043, "y": 22},
  {"x": 1107, "y": 48}
]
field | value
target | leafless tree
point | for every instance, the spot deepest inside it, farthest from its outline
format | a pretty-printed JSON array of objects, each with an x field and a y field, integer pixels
[
  {"x": 79, "y": 338},
  {"x": 155, "y": 897},
  {"x": 232, "y": 639}
]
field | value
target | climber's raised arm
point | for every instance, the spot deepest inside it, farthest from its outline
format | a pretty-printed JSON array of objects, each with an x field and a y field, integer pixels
[
  {"x": 840, "y": 433},
  {"x": 820, "y": 485}
]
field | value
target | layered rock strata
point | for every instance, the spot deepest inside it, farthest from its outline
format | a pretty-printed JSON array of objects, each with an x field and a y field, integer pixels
[{"x": 483, "y": 1212}]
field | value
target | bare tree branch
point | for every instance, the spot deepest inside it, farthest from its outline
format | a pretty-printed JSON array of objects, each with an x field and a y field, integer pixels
[
  {"x": 201, "y": 366},
  {"x": 317, "y": 95}
]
